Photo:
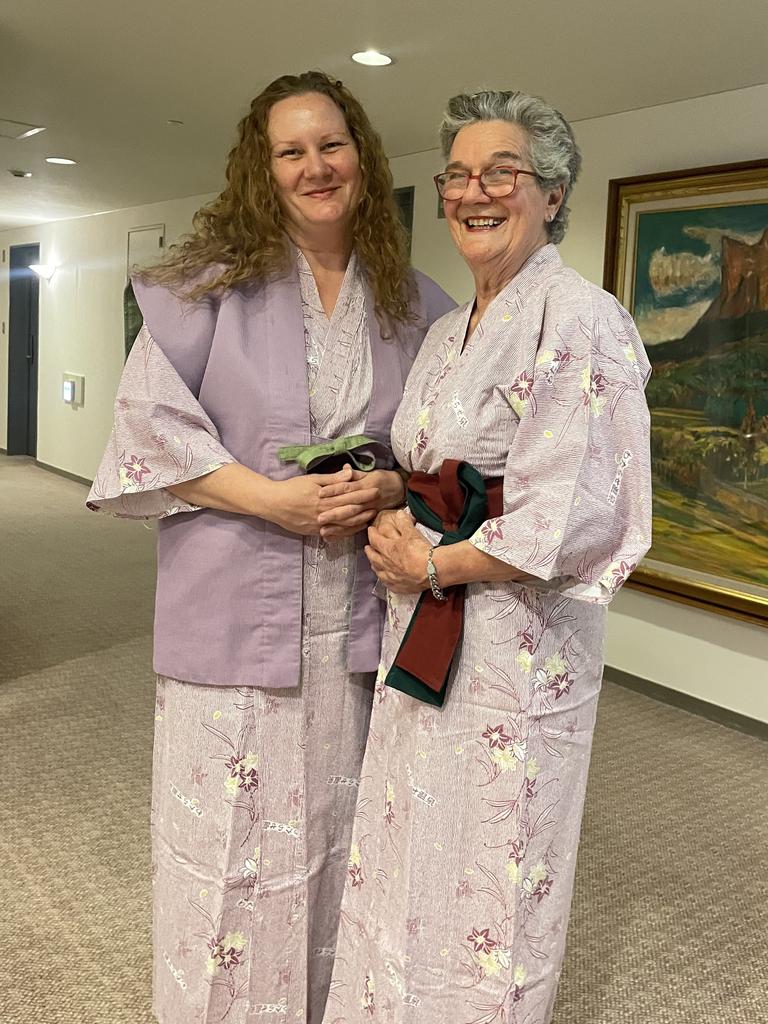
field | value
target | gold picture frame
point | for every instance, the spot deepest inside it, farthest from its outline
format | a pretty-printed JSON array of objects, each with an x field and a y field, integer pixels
[{"x": 687, "y": 254}]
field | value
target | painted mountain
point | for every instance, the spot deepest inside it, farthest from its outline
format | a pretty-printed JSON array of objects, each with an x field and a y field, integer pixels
[{"x": 740, "y": 308}]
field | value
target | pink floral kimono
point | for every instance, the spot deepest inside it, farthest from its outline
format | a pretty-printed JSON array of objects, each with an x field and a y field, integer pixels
[
  {"x": 464, "y": 848},
  {"x": 254, "y": 786}
]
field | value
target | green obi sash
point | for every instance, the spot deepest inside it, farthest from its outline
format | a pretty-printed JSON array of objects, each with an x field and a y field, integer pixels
[{"x": 361, "y": 452}]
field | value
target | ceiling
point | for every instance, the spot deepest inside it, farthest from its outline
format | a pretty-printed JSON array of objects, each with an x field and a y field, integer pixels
[{"x": 104, "y": 78}]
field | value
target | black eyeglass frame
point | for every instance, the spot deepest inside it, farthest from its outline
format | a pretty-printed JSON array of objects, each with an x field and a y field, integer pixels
[{"x": 479, "y": 179}]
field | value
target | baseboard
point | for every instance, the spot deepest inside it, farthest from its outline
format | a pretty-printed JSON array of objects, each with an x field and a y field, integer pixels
[
  {"x": 703, "y": 708},
  {"x": 63, "y": 472}
]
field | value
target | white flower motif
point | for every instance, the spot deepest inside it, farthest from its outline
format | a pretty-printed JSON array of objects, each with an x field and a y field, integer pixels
[
  {"x": 520, "y": 751},
  {"x": 502, "y": 958},
  {"x": 520, "y": 976},
  {"x": 542, "y": 678},
  {"x": 532, "y": 769},
  {"x": 251, "y": 868},
  {"x": 513, "y": 872},
  {"x": 354, "y": 856}
]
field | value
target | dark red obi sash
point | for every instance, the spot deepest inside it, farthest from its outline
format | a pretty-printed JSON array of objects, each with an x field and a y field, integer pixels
[{"x": 455, "y": 502}]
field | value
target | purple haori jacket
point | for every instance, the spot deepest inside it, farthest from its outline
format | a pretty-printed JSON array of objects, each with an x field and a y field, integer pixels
[{"x": 229, "y": 587}]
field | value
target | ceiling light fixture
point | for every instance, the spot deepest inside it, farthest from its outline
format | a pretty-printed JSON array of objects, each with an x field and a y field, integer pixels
[
  {"x": 59, "y": 160},
  {"x": 19, "y": 174},
  {"x": 30, "y": 133},
  {"x": 44, "y": 270},
  {"x": 371, "y": 58},
  {"x": 18, "y": 129},
  {"x": 174, "y": 123}
]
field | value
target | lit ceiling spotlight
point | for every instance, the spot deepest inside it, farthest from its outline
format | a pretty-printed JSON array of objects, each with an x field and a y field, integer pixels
[
  {"x": 19, "y": 174},
  {"x": 18, "y": 129},
  {"x": 44, "y": 270},
  {"x": 371, "y": 58},
  {"x": 59, "y": 160},
  {"x": 30, "y": 133}
]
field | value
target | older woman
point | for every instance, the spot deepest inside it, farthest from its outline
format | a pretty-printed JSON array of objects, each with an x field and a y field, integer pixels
[
  {"x": 288, "y": 320},
  {"x": 525, "y": 423}
]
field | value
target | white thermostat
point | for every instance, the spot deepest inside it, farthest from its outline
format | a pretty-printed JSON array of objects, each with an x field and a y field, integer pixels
[{"x": 73, "y": 388}]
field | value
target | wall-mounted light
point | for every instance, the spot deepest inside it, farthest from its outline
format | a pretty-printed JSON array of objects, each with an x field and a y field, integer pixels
[
  {"x": 371, "y": 58},
  {"x": 44, "y": 270}
]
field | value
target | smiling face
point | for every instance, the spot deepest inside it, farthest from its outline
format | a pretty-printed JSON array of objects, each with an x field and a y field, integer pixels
[
  {"x": 497, "y": 236},
  {"x": 316, "y": 166}
]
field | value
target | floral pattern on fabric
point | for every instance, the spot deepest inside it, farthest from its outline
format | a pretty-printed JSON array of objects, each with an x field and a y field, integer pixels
[{"x": 161, "y": 436}]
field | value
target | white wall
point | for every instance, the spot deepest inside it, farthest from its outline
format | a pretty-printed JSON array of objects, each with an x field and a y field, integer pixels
[
  {"x": 707, "y": 656},
  {"x": 81, "y": 329}
]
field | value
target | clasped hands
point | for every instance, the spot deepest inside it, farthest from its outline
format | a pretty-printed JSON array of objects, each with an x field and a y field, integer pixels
[
  {"x": 336, "y": 505},
  {"x": 341, "y": 504},
  {"x": 397, "y": 552}
]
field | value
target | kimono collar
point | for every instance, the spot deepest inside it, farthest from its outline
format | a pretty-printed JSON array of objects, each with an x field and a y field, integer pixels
[{"x": 542, "y": 263}]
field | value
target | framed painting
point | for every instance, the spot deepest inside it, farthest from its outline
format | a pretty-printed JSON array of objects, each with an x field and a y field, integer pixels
[
  {"x": 404, "y": 198},
  {"x": 687, "y": 255}
]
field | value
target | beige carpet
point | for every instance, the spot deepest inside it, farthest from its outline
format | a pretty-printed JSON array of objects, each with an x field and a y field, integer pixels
[{"x": 671, "y": 904}]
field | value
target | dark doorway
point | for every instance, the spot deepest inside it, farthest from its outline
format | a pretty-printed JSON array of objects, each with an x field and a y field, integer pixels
[{"x": 22, "y": 351}]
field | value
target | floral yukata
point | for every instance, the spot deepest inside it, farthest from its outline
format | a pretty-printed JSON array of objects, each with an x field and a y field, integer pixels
[
  {"x": 254, "y": 789},
  {"x": 462, "y": 862}
]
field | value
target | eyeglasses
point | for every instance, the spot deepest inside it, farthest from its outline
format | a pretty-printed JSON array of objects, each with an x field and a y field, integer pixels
[{"x": 496, "y": 182}]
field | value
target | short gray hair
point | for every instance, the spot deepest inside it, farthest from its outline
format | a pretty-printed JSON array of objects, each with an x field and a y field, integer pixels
[{"x": 552, "y": 148}]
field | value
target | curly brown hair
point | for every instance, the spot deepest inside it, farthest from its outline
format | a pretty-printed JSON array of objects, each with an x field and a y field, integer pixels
[{"x": 241, "y": 235}]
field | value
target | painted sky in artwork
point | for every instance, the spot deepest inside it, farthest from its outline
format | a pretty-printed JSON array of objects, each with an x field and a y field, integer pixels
[{"x": 678, "y": 263}]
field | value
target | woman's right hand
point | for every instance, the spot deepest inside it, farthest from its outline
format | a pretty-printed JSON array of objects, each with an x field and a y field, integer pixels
[{"x": 295, "y": 503}]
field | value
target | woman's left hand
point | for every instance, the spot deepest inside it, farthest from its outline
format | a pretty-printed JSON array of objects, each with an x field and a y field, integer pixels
[
  {"x": 398, "y": 554},
  {"x": 348, "y": 507}
]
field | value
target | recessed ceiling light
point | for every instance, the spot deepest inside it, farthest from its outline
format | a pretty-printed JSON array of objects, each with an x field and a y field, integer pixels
[
  {"x": 59, "y": 160},
  {"x": 371, "y": 58},
  {"x": 18, "y": 129},
  {"x": 174, "y": 123},
  {"x": 19, "y": 174},
  {"x": 30, "y": 133}
]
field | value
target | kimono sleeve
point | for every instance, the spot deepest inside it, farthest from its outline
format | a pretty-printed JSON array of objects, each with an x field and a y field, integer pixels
[
  {"x": 161, "y": 436},
  {"x": 577, "y": 484}
]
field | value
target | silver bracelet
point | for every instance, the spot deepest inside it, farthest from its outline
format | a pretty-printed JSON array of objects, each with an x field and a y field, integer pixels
[{"x": 437, "y": 591}]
